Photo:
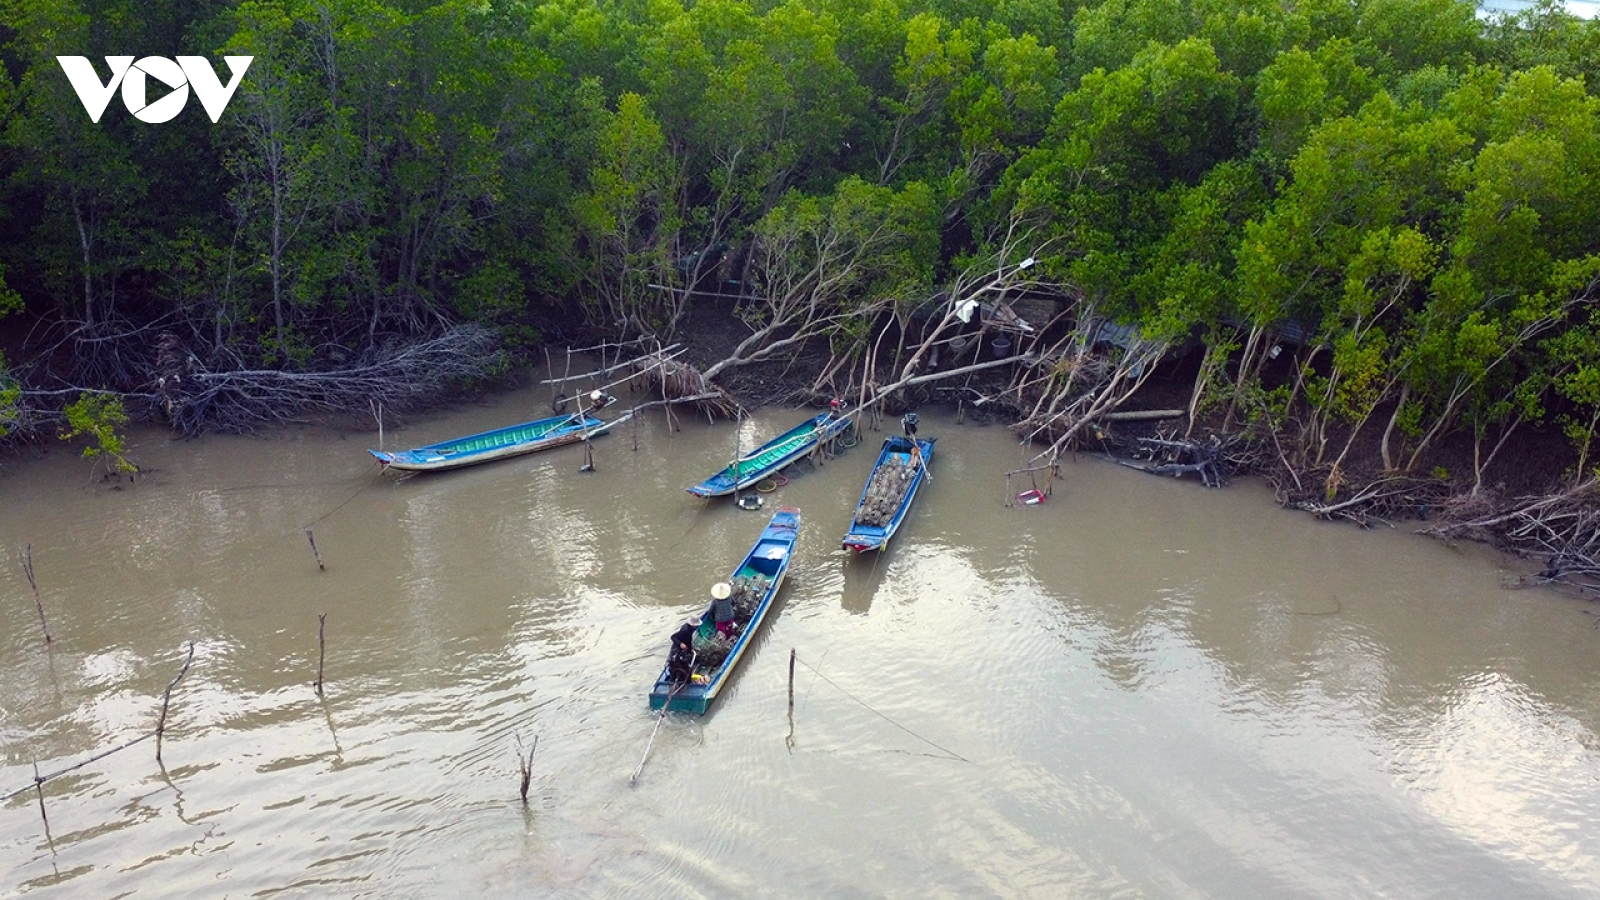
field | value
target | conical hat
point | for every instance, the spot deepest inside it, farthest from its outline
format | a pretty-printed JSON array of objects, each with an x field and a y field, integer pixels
[{"x": 721, "y": 590}]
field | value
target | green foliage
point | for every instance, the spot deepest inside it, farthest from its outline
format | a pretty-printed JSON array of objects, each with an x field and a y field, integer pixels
[
  {"x": 10, "y": 397},
  {"x": 10, "y": 300},
  {"x": 1411, "y": 184},
  {"x": 98, "y": 416}
]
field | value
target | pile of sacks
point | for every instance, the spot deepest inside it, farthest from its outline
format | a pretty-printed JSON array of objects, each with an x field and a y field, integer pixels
[{"x": 885, "y": 491}]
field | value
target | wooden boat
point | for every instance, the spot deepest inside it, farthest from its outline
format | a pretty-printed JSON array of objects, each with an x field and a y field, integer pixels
[
  {"x": 900, "y": 470},
  {"x": 753, "y": 584},
  {"x": 541, "y": 434},
  {"x": 772, "y": 456}
]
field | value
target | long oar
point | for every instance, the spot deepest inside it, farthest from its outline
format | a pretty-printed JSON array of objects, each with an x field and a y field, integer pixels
[{"x": 634, "y": 778}]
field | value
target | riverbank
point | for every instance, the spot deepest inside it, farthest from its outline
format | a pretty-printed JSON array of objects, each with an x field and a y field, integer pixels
[
  {"x": 1456, "y": 490},
  {"x": 1449, "y": 491}
]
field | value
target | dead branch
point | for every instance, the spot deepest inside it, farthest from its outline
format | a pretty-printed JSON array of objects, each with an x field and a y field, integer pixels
[
  {"x": 670, "y": 351},
  {"x": 1561, "y": 529},
  {"x": 878, "y": 395},
  {"x": 1082, "y": 384},
  {"x": 680, "y": 382},
  {"x": 398, "y": 375}
]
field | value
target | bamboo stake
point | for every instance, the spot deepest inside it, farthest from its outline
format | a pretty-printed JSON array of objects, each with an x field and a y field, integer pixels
[
  {"x": 78, "y": 765},
  {"x": 734, "y": 466},
  {"x": 166, "y": 700},
  {"x": 550, "y": 369},
  {"x": 314, "y": 551},
  {"x": 665, "y": 354},
  {"x": 525, "y": 763},
  {"x": 38, "y": 785},
  {"x": 322, "y": 650},
  {"x": 789, "y": 741},
  {"x": 27, "y": 569},
  {"x": 39, "y": 780}
]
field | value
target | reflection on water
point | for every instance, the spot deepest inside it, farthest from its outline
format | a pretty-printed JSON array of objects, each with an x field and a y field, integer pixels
[{"x": 1138, "y": 688}]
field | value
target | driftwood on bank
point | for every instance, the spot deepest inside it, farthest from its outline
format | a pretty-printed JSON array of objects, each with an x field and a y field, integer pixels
[
  {"x": 399, "y": 375},
  {"x": 1175, "y": 458},
  {"x": 1562, "y": 530}
]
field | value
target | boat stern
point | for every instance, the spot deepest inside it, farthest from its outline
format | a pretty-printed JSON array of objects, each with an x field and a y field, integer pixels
[{"x": 690, "y": 698}]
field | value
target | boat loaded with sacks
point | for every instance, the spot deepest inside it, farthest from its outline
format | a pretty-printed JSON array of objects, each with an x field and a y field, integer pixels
[
  {"x": 901, "y": 468},
  {"x": 705, "y": 650}
]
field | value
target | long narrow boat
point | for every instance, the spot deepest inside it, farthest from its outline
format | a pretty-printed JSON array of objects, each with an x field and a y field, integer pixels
[
  {"x": 772, "y": 456},
  {"x": 901, "y": 468},
  {"x": 750, "y": 589},
  {"x": 541, "y": 434}
]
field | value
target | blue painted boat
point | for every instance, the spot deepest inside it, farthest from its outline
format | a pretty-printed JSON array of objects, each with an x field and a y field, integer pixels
[
  {"x": 901, "y": 468},
  {"x": 772, "y": 456},
  {"x": 753, "y": 584},
  {"x": 541, "y": 434}
]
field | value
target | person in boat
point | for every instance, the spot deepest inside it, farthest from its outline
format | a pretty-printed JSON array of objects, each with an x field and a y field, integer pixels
[
  {"x": 835, "y": 408},
  {"x": 908, "y": 423},
  {"x": 598, "y": 401},
  {"x": 680, "y": 660},
  {"x": 722, "y": 608}
]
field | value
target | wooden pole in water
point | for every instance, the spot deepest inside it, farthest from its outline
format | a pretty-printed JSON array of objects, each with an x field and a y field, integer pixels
[
  {"x": 525, "y": 763},
  {"x": 38, "y": 785},
  {"x": 322, "y": 649},
  {"x": 166, "y": 700},
  {"x": 314, "y": 551},
  {"x": 789, "y": 741},
  {"x": 738, "y": 417},
  {"x": 27, "y": 569}
]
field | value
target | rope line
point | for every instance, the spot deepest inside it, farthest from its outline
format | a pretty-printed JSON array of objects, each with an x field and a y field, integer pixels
[
  {"x": 949, "y": 753},
  {"x": 366, "y": 483}
]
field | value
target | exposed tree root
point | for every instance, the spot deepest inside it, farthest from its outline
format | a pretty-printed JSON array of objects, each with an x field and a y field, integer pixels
[{"x": 1561, "y": 529}]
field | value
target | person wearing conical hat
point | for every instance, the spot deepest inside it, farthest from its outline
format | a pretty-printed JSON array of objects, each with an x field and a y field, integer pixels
[{"x": 722, "y": 605}]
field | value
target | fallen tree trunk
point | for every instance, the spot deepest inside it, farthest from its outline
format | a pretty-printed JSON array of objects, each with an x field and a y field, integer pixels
[{"x": 1144, "y": 415}]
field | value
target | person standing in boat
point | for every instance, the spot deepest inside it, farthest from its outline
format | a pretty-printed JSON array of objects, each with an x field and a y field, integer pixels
[
  {"x": 722, "y": 608},
  {"x": 835, "y": 408}
]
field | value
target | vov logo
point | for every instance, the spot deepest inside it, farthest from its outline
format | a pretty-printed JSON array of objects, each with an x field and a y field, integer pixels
[{"x": 187, "y": 72}]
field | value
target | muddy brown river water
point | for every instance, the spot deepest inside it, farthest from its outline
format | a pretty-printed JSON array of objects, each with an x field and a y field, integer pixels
[{"x": 1140, "y": 688}]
